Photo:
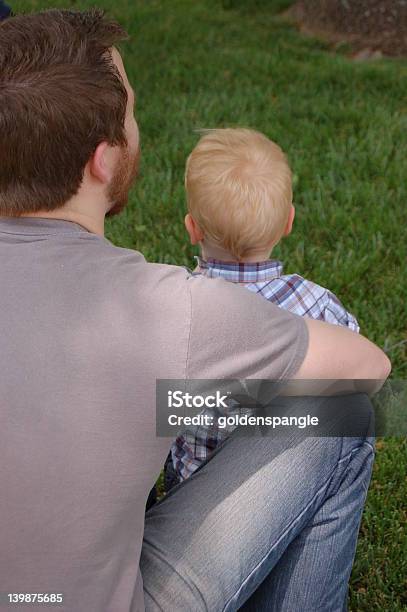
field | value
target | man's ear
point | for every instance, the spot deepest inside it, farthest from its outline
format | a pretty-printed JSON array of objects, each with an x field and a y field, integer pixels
[
  {"x": 290, "y": 221},
  {"x": 195, "y": 233},
  {"x": 102, "y": 163}
]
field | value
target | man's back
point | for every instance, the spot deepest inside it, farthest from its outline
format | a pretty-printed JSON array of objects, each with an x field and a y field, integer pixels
[{"x": 78, "y": 368}]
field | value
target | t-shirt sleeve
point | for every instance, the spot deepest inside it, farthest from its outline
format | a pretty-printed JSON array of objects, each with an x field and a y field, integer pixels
[{"x": 237, "y": 334}]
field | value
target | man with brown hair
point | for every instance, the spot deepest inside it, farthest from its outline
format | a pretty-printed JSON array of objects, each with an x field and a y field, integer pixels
[{"x": 86, "y": 330}]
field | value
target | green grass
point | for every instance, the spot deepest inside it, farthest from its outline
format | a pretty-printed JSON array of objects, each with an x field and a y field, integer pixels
[{"x": 206, "y": 63}]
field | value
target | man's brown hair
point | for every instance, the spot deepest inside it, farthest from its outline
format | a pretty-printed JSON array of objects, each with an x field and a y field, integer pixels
[{"x": 61, "y": 95}]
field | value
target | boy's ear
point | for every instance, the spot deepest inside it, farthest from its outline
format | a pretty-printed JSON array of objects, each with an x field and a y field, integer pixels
[
  {"x": 290, "y": 221},
  {"x": 195, "y": 233}
]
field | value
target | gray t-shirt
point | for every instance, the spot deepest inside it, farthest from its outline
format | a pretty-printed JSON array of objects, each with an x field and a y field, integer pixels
[{"x": 86, "y": 328}]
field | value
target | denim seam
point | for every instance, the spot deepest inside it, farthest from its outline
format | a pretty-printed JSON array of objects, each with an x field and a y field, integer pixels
[
  {"x": 260, "y": 563},
  {"x": 190, "y": 584}
]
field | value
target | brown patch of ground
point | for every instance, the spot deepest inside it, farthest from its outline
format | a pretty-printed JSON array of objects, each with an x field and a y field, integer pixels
[{"x": 372, "y": 27}]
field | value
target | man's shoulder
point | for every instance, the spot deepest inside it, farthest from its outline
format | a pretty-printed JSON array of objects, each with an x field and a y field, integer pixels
[{"x": 128, "y": 263}]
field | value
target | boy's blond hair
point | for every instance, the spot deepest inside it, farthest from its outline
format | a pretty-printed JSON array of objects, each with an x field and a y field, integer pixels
[{"x": 239, "y": 190}]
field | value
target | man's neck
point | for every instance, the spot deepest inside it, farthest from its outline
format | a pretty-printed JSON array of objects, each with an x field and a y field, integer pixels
[{"x": 94, "y": 223}]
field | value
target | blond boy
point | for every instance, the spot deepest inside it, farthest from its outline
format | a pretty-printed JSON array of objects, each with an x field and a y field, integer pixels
[{"x": 239, "y": 195}]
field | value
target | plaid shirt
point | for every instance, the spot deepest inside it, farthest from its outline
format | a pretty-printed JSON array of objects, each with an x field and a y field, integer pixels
[{"x": 289, "y": 291}]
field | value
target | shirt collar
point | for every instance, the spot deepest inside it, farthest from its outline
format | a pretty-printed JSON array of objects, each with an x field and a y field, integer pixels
[{"x": 240, "y": 272}]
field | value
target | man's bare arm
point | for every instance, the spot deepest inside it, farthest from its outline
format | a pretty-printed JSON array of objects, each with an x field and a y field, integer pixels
[{"x": 336, "y": 353}]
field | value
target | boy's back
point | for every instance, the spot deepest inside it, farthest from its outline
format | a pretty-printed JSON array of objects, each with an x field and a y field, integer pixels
[{"x": 290, "y": 292}]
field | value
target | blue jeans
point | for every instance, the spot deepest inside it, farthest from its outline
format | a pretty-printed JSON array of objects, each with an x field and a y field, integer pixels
[{"x": 267, "y": 524}]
